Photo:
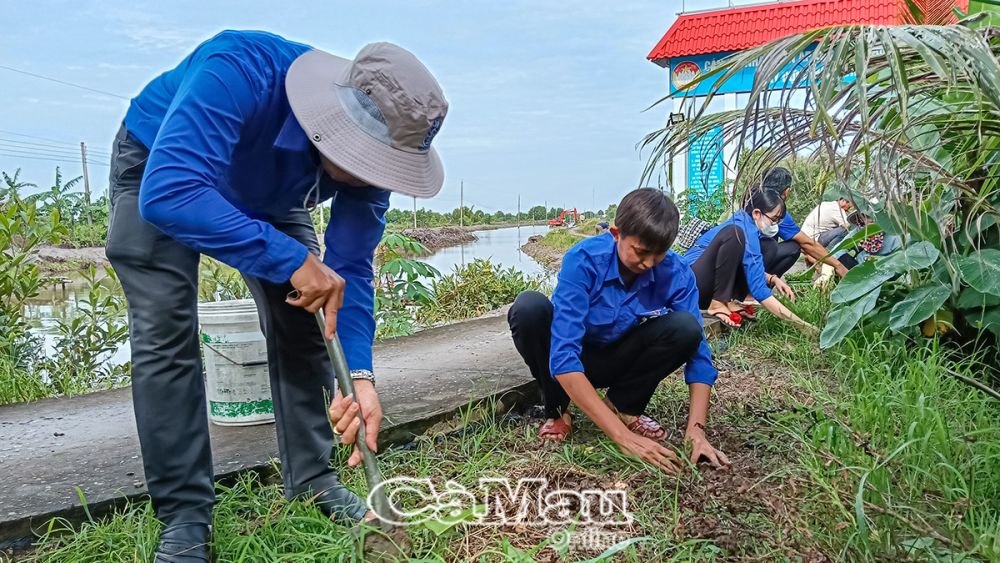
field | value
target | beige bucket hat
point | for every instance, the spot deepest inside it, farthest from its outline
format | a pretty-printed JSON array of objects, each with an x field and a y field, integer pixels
[{"x": 375, "y": 116}]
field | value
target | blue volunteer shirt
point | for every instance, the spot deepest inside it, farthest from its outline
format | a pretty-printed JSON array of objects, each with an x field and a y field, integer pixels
[
  {"x": 753, "y": 261},
  {"x": 226, "y": 155},
  {"x": 787, "y": 228},
  {"x": 592, "y": 306}
]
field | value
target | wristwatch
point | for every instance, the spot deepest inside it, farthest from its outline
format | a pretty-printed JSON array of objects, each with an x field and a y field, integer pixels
[{"x": 365, "y": 374}]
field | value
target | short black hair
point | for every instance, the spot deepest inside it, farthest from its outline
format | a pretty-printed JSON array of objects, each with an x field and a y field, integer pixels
[
  {"x": 765, "y": 200},
  {"x": 778, "y": 179},
  {"x": 647, "y": 213}
]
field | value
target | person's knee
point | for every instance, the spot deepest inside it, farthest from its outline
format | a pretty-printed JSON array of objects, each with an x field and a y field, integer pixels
[
  {"x": 732, "y": 239},
  {"x": 686, "y": 333},
  {"x": 793, "y": 249},
  {"x": 531, "y": 310}
]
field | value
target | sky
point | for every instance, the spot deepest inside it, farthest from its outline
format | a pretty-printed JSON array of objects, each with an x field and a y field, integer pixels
[{"x": 547, "y": 99}]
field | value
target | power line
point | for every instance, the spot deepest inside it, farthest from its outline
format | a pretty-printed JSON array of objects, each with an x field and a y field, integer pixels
[
  {"x": 75, "y": 148},
  {"x": 65, "y": 83},
  {"x": 41, "y": 152},
  {"x": 52, "y": 159},
  {"x": 47, "y": 151},
  {"x": 16, "y": 134}
]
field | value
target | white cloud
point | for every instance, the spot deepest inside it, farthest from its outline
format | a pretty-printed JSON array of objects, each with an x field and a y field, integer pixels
[{"x": 149, "y": 32}]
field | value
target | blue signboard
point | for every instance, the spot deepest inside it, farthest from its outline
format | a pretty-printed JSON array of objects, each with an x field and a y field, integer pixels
[
  {"x": 684, "y": 70},
  {"x": 705, "y": 173}
]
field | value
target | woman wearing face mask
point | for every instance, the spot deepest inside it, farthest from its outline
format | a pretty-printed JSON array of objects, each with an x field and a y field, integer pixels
[{"x": 729, "y": 267}]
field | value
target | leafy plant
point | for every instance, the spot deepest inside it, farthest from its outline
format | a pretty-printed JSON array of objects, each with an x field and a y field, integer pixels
[
  {"x": 475, "y": 289},
  {"x": 59, "y": 199},
  {"x": 22, "y": 229},
  {"x": 89, "y": 338},
  {"x": 13, "y": 185},
  {"x": 400, "y": 287},
  {"x": 906, "y": 116},
  {"x": 219, "y": 282}
]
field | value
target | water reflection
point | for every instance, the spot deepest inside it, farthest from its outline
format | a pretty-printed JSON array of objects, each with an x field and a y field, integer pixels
[{"x": 500, "y": 246}]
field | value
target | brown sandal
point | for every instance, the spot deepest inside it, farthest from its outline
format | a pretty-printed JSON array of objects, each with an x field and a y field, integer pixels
[
  {"x": 556, "y": 430},
  {"x": 647, "y": 428}
]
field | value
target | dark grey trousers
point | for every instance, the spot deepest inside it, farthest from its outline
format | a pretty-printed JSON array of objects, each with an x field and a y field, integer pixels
[{"x": 160, "y": 279}]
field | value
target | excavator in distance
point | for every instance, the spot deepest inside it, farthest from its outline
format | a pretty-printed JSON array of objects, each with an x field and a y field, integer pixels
[{"x": 561, "y": 220}]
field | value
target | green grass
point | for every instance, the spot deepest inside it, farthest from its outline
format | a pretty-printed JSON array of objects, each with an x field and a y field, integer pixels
[
  {"x": 869, "y": 452},
  {"x": 19, "y": 385},
  {"x": 253, "y": 522},
  {"x": 901, "y": 460},
  {"x": 560, "y": 239}
]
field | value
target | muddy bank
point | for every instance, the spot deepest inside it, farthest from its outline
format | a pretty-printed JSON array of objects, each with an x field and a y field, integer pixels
[
  {"x": 550, "y": 258},
  {"x": 55, "y": 260},
  {"x": 439, "y": 237}
]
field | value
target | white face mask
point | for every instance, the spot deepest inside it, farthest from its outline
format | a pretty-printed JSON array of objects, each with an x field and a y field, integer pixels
[{"x": 771, "y": 230}]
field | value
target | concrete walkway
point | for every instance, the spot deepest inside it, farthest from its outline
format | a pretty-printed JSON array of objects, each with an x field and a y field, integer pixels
[{"x": 49, "y": 448}]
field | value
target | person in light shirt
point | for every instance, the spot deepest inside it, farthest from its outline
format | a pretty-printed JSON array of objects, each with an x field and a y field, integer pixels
[{"x": 827, "y": 223}]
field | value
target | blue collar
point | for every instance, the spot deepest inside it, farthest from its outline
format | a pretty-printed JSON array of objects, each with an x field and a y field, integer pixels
[{"x": 292, "y": 137}]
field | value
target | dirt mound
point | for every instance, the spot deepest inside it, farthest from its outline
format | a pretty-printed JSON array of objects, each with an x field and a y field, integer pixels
[
  {"x": 550, "y": 258},
  {"x": 54, "y": 259},
  {"x": 440, "y": 237}
]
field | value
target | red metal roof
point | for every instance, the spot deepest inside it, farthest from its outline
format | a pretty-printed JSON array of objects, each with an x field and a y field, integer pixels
[{"x": 736, "y": 29}]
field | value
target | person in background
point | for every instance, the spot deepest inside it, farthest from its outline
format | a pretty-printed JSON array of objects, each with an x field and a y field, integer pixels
[
  {"x": 780, "y": 256},
  {"x": 828, "y": 223},
  {"x": 729, "y": 267},
  {"x": 624, "y": 316}
]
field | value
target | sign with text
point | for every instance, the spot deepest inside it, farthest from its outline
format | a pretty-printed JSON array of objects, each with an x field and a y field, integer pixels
[
  {"x": 705, "y": 171},
  {"x": 687, "y": 69}
]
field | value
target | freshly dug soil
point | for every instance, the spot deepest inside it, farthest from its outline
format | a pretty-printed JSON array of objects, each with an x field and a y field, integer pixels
[
  {"x": 54, "y": 259},
  {"x": 439, "y": 237},
  {"x": 550, "y": 258}
]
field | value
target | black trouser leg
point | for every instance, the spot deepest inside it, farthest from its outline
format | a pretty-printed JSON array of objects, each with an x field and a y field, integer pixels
[
  {"x": 630, "y": 368},
  {"x": 530, "y": 320},
  {"x": 301, "y": 379},
  {"x": 634, "y": 366},
  {"x": 160, "y": 279},
  {"x": 719, "y": 270},
  {"x": 779, "y": 256}
]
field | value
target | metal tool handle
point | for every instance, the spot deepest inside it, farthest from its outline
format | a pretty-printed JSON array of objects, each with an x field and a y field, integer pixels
[{"x": 380, "y": 502}]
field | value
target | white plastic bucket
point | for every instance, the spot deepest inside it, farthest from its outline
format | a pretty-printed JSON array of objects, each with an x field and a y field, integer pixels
[{"x": 236, "y": 377}]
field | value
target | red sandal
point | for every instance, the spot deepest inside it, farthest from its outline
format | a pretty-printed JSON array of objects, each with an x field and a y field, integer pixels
[
  {"x": 647, "y": 428},
  {"x": 730, "y": 319},
  {"x": 556, "y": 430}
]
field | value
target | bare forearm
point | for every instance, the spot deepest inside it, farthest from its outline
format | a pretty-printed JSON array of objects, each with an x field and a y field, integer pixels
[
  {"x": 698, "y": 410},
  {"x": 777, "y": 309},
  {"x": 582, "y": 393},
  {"x": 818, "y": 252}
]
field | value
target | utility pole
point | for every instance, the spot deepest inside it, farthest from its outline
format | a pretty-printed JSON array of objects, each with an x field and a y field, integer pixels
[
  {"x": 518, "y": 211},
  {"x": 414, "y": 212},
  {"x": 461, "y": 204},
  {"x": 86, "y": 180},
  {"x": 546, "y": 205}
]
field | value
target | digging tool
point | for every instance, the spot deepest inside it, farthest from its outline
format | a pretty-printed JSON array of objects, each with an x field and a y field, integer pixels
[{"x": 393, "y": 542}]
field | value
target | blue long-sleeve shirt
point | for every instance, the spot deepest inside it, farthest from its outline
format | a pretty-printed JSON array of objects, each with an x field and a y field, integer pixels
[
  {"x": 226, "y": 154},
  {"x": 591, "y": 304},
  {"x": 788, "y": 228},
  {"x": 753, "y": 261}
]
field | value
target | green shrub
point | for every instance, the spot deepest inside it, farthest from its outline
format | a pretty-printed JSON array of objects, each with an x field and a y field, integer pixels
[
  {"x": 87, "y": 340},
  {"x": 475, "y": 289},
  {"x": 219, "y": 282}
]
